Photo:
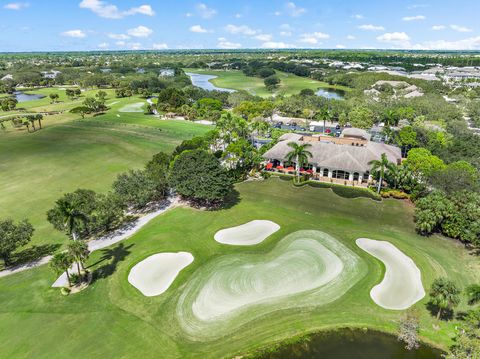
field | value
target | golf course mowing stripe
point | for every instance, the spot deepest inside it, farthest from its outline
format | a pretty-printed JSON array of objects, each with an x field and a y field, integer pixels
[
  {"x": 401, "y": 286},
  {"x": 305, "y": 269}
]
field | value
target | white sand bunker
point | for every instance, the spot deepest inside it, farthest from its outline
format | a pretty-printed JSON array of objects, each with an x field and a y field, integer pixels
[
  {"x": 247, "y": 234},
  {"x": 402, "y": 285},
  {"x": 133, "y": 107},
  {"x": 305, "y": 269},
  {"x": 155, "y": 274}
]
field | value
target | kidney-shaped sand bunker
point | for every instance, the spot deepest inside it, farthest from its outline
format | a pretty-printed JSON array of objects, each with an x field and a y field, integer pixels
[
  {"x": 401, "y": 286},
  {"x": 247, "y": 234},
  {"x": 156, "y": 273}
]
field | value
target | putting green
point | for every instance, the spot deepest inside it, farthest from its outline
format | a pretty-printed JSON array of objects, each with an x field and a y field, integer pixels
[
  {"x": 305, "y": 269},
  {"x": 133, "y": 107}
]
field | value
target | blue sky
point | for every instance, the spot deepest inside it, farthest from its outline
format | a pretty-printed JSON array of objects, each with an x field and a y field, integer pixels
[{"x": 48, "y": 25}]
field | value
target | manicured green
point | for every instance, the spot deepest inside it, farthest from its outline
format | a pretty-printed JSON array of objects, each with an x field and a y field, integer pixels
[
  {"x": 290, "y": 84},
  {"x": 113, "y": 319},
  {"x": 69, "y": 153}
]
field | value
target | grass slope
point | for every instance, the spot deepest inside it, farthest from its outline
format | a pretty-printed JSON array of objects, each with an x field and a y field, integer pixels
[
  {"x": 112, "y": 319},
  {"x": 68, "y": 153},
  {"x": 290, "y": 84}
]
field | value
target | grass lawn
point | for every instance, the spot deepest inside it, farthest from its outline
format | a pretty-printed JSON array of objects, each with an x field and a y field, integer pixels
[
  {"x": 112, "y": 319},
  {"x": 290, "y": 84},
  {"x": 69, "y": 153}
]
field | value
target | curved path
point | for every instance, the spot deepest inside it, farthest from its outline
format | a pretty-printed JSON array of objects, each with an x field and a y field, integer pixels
[{"x": 102, "y": 242}]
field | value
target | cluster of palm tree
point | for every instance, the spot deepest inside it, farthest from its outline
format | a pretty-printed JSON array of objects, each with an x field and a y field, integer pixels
[
  {"x": 30, "y": 121},
  {"x": 445, "y": 295},
  {"x": 77, "y": 252}
]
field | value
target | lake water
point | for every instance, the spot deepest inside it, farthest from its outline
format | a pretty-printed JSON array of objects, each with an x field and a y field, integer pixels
[
  {"x": 331, "y": 94},
  {"x": 353, "y": 344},
  {"x": 203, "y": 81},
  {"x": 25, "y": 97}
]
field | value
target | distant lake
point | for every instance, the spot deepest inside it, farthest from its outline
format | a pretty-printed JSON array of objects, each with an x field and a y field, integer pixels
[
  {"x": 352, "y": 344},
  {"x": 331, "y": 94},
  {"x": 203, "y": 81},
  {"x": 25, "y": 97}
]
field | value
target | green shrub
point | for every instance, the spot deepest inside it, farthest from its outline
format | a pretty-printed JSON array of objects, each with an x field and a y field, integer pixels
[
  {"x": 343, "y": 191},
  {"x": 65, "y": 291},
  {"x": 393, "y": 193}
]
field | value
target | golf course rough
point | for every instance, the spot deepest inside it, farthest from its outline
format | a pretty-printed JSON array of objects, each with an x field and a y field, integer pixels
[
  {"x": 305, "y": 269},
  {"x": 155, "y": 274},
  {"x": 247, "y": 234},
  {"x": 401, "y": 286}
]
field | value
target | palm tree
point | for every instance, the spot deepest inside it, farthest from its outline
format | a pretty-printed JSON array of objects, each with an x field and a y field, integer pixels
[
  {"x": 381, "y": 166},
  {"x": 32, "y": 121},
  {"x": 61, "y": 262},
  {"x": 78, "y": 250},
  {"x": 300, "y": 154},
  {"x": 324, "y": 114},
  {"x": 27, "y": 125},
  {"x": 444, "y": 294},
  {"x": 39, "y": 118},
  {"x": 71, "y": 217},
  {"x": 473, "y": 293}
]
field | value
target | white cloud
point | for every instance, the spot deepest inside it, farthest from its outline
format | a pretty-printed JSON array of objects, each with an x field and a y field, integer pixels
[
  {"x": 198, "y": 29},
  {"x": 140, "y": 31},
  {"x": 109, "y": 11},
  {"x": 472, "y": 43},
  {"x": 134, "y": 45},
  {"x": 285, "y": 33},
  {"x": 263, "y": 37},
  {"x": 398, "y": 39},
  {"x": 242, "y": 29},
  {"x": 460, "y": 28},
  {"x": 118, "y": 36},
  {"x": 223, "y": 43},
  {"x": 416, "y": 6},
  {"x": 120, "y": 43},
  {"x": 238, "y": 16},
  {"x": 160, "y": 46},
  {"x": 370, "y": 27},
  {"x": 340, "y": 46},
  {"x": 351, "y": 37},
  {"x": 294, "y": 10},
  {"x": 188, "y": 14},
  {"x": 276, "y": 45},
  {"x": 358, "y": 16},
  {"x": 103, "y": 45},
  {"x": 313, "y": 38},
  {"x": 438, "y": 27},
  {"x": 16, "y": 5},
  {"x": 277, "y": 13},
  {"x": 74, "y": 33},
  {"x": 205, "y": 12},
  {"x": 414, "y": 18}
]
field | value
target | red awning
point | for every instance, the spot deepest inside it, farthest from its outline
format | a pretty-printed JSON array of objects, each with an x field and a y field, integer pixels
[
  {"x": 279, "y": 167},
  {"x": 290, "y": 169},
  {"x": 269, "y": 166}
]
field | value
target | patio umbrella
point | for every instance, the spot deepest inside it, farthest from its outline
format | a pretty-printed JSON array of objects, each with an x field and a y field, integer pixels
[
  {"x": 269, "y": 166},
  {"x": 290, "y": 169},
  {"x": 309, "y": 171},
  {"x": 279, "y": 167}
]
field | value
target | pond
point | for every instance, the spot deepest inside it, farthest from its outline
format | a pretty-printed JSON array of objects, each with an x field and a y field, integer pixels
[
  {"x": 348, "y": 344},
  {"x": 203, "y": 81},
  {"x": 331, "y": 94},
  {"x": 25, "y": 97}
]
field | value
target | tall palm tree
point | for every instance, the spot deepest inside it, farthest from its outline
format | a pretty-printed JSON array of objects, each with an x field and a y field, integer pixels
[
  {"x": 324, "y": 115},
  {"x": 61, "y": 262},
  {"x": 444, "y": 294},
  {"x": 299, "y": 154},
  {"x": 381, "y": 166},
  {"x": 72, "y": 217},
  {"x": 79, "y": 251}
]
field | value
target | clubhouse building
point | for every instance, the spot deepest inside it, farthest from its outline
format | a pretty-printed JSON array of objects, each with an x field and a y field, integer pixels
[{"x": 342, "y": 160}]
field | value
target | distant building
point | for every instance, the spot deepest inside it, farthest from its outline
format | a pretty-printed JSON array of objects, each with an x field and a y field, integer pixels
[
  {"x": 167, "y": 72},
  {"x": 7, "y": 77},
  {"x": 52, "y": 74}
]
